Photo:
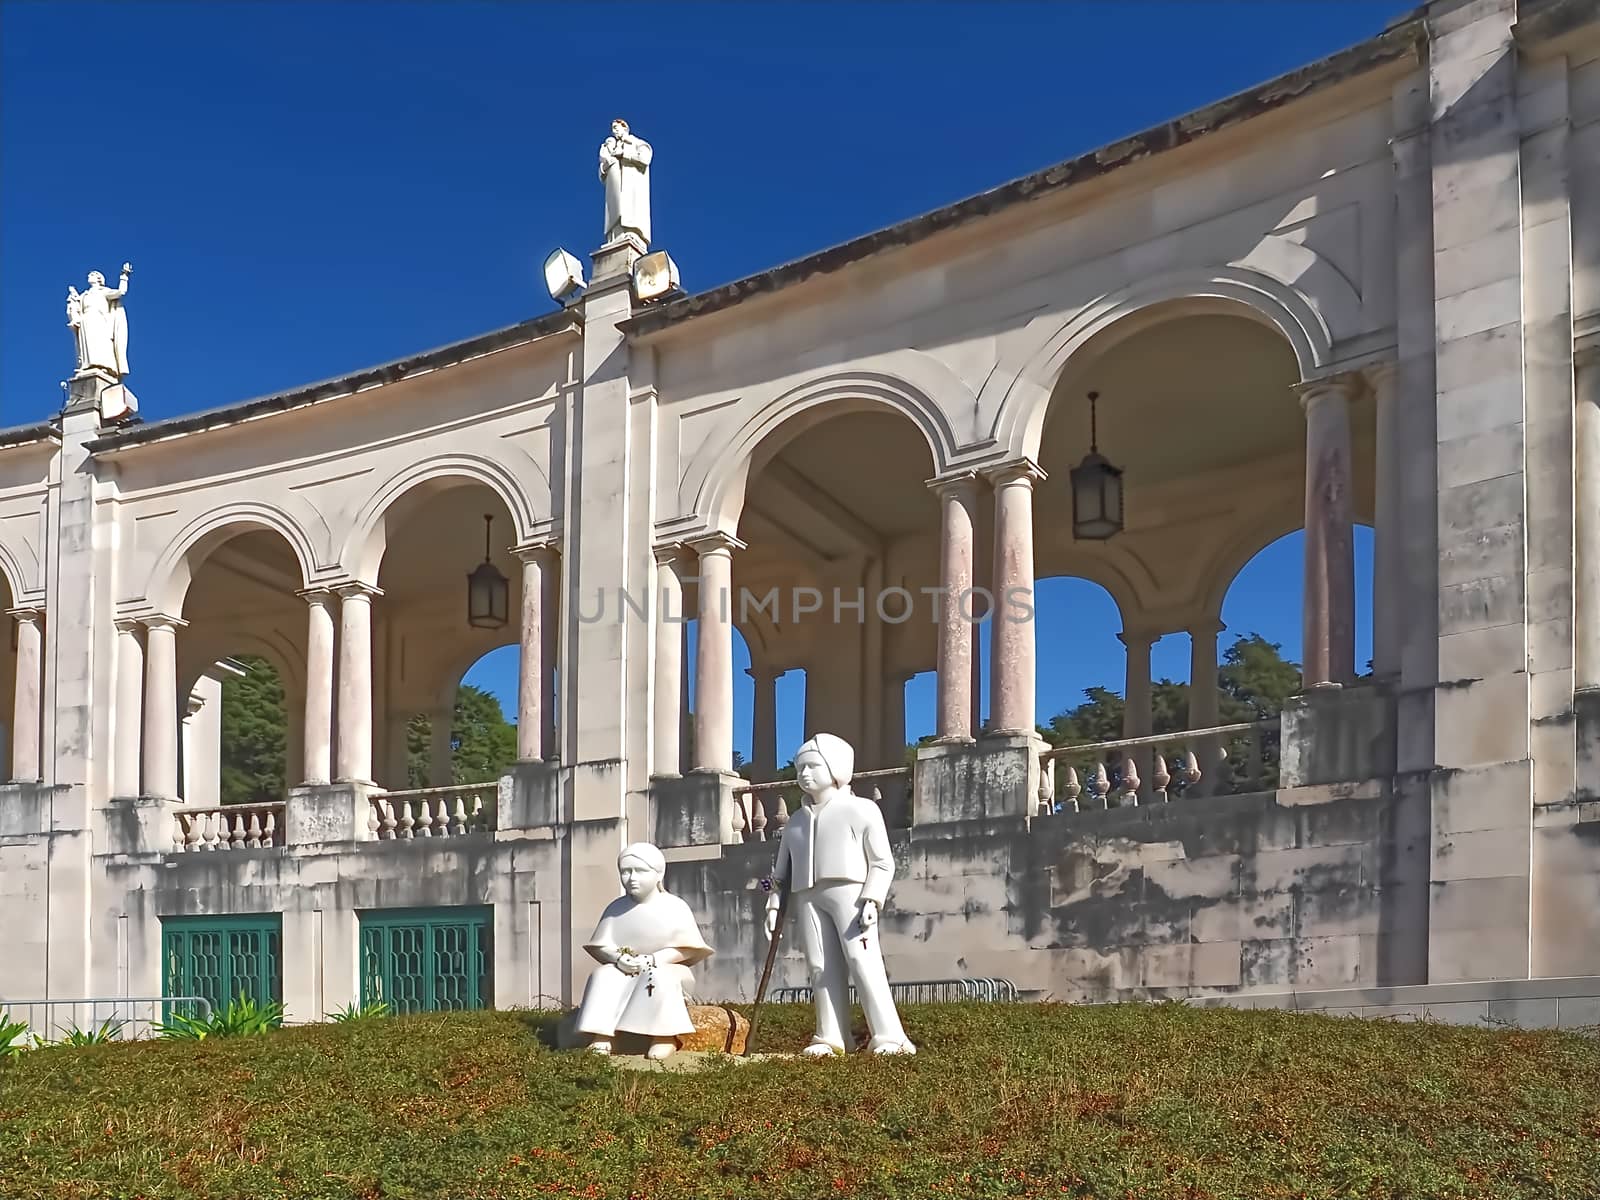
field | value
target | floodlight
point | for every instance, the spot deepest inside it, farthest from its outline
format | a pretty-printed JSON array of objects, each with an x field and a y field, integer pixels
[
  {"x": 655, "y": 276},
  {"x": 563, "y": 275}
]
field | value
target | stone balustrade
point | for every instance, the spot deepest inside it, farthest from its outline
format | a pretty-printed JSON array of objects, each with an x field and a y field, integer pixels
[
  {"x": 435, "y": 812},
  {"x": 1163, "y": 767},
  {"x": 228, "y": 827},
  {"x": 762, "y": 808}
]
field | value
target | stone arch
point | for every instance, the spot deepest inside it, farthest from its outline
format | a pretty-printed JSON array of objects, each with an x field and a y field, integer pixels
[
  {"x": 11, "y": 574},
  {"x": 1108, "y": 575},
  {"x": 909, "y": 384},
  {"x": 362, "y": 552},
  {"x": 1016, "y": 396},
  {"x": 1241, "y": 550},
  {"x": 168, "y": 581}
]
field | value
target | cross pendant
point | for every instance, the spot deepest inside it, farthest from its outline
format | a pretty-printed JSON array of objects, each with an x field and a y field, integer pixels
[
  {"x": 649, "y": 989},
  {"x": 863, "y": 941}
]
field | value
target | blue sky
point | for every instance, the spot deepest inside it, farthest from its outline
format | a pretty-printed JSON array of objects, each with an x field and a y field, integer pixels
[{"x": 306, "y": 189}]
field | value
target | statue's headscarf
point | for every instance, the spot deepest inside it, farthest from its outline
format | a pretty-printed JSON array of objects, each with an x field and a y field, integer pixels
[
  {"x": 645, "y": 855},
  {"x": 836, "y": 754}
]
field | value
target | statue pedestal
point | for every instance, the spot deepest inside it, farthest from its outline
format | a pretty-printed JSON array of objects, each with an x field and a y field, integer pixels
[{"x": 715, "y": 1028}]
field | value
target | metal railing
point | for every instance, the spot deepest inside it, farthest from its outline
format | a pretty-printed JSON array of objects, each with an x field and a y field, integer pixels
[
  {"x": 922, "y": 991},
  {"x": 434, "y": 812},
  {"x": 228, "y": 826},
  {"x": 138, "y": 1016},
  {"x": 760, "y": 807},
  {"x": 1161, "y": 767}
]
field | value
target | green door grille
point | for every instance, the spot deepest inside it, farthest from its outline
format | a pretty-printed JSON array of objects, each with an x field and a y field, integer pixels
[
  {"x": 222, "y": 958},
  {"x": 427, "y": 959}
]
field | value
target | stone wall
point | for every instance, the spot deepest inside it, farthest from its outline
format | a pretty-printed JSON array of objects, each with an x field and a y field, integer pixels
[{"x": 1304, "y": 888}]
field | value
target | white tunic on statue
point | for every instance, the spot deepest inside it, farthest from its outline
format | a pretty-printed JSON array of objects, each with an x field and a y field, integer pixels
[{"x": 650, "y": 1003}]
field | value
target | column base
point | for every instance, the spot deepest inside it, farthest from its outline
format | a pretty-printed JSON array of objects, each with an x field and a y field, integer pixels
[
  {"x": 1337, "y": 734},
  {"x": 140, "y": 825},
  {"x": 995, "y": 776},
  {"x": 694, "y": 809},
  {"x": 328, "y": 812}
]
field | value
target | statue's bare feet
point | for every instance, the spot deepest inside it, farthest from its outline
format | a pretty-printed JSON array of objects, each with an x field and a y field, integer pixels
[
  {"x": 889, "y": 1046},
  {"x": 600, "y": 1046},
  {"x": 821, "y": 1050},
  {"x": 660, "y": 1050}
]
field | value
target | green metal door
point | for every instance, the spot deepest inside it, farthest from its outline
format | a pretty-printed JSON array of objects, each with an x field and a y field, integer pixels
[
  {"x": 427, "y": 959},
  {"x": 222, "y": 958}
]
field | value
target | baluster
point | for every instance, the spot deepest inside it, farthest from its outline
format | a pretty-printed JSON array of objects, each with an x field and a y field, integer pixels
[
  {"x": 375, "y": 815},
  {"x": 385, "y": 819},
  {"x": 231, "y": 834},
  {"x": 1130, "y": 782},
  {"x": 407, "y": 822},
  {"x": 476, "y": 819},
  {"x": 1100, "y": 786},
  {"x": 253, "y": 839},
  {"x": 1072, "y": 789},
  {"x": 458, "y": 816},
  {"x": 758, "y": 816},
  {"x": 1047, "y": 786},
  {"x": 180, "y": 832},
  {"x": 780, "y": 810},
  {"x": 1191, "y": 769},
  {"x": 269, "y": 829},
  {"x": 208, "y": 834},
  {"x": 1159, "y": 777}
]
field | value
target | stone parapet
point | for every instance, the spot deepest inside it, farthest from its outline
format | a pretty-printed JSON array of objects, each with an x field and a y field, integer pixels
[
  {"x": 1338, "y": 735},
  {"x": 996, "y": 776}
]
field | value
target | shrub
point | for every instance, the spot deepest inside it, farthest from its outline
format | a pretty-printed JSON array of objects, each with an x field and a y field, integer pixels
[
  {"x": 378, "y": 1008},
  {"x": 109, "y": 1030},
  {"x": 242, "y": 1017},
  {"x": 13, "y": 1037}
]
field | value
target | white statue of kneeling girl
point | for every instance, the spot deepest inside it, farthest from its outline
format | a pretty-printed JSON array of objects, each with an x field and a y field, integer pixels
[{"x": 646, "y": 941}]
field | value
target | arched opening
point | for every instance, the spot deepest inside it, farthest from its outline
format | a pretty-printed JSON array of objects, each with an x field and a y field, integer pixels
[
  {"x": 446, "y": 688},
  {"x": 841, "y": 533},
  {"x": 240, "y": 663}
]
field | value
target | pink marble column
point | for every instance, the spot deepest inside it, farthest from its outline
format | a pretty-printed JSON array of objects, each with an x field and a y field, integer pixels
[
  {"x": 1204, "y": 701},
  {"x": 161, "y": 707},
  {"x": 713, "y": 718},
  {"x": 318, "y": 750},
  {"x": 533, "y": 684},
  {"x": 1330, "y": 573},
  {"x": 355, "y": 683},
  {"x": 26, "y": 715},
  {"x": 958, "y": 501},
  {"x": 128, "y": 718},
  {"x": 669, "y": 698},
  {"x": 1012, "y": 641}
]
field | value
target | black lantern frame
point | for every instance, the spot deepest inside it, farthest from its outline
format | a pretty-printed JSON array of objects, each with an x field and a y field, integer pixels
[
  {"x": 488, "y": 591},
  {"x": 1096, "y": 489}
]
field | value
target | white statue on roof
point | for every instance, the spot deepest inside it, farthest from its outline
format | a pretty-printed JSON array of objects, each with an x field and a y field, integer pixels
[
  {"x": 100, "y": 322},
  {"x": 625, "y": 172}
]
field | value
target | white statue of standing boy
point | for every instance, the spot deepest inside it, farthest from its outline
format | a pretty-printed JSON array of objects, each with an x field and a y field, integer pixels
[
  {"x": 835, "y": 859},
  {"x": 646, "y": 942}
]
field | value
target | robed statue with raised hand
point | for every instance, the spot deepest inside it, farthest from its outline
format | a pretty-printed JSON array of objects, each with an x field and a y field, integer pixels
[{"x": 101, "y": 324}]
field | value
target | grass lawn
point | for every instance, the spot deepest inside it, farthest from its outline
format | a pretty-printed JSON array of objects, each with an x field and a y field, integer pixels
[{"x": 1003, "y": 1100}]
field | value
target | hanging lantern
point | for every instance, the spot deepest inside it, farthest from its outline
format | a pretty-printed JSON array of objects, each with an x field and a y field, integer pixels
[
  {"x": 488, "y": 592},
  {"x": 1096, "y": 490}
]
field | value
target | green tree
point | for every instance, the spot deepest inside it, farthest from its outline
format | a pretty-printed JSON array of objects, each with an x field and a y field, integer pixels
[
  {"x": 255, "y": 729},
  {"x": 483, "y": 744}
]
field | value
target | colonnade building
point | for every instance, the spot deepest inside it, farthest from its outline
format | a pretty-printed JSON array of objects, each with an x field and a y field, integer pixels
[{"x": 1366, "y": 293}]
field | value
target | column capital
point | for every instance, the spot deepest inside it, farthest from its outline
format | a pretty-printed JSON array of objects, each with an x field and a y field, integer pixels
[
  {"x": 1381, "y": 376},
  {"x": 760, "y": 671},
  {"x": 716, "y": 543},
  {"x": 316, "y": 595},
  {"x": 127, "y": 624},
  {"x": 1206, "y": 627},
  {"x": 355, "y": 590},
  {"x": 954, "y": 482},
  {"x": 162, "y": 621},
  {"x": 1343, "y": 386},
  {"x": 1016, "y": 470},
  {"x": 668, "y": 553},
  {"x": 541, "y": 551},
  {"x": 26, "y": 614},
  {"x": 1144, "y": 637}
]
